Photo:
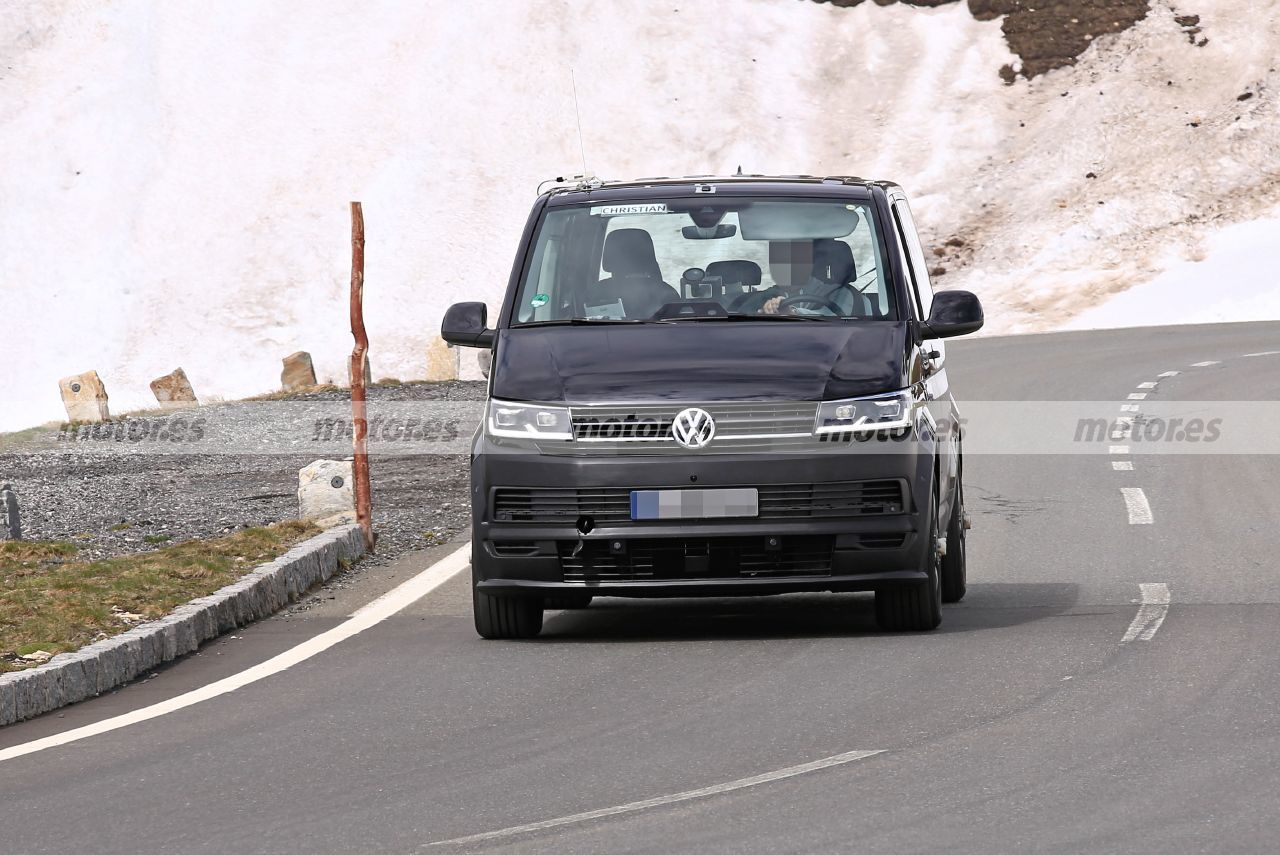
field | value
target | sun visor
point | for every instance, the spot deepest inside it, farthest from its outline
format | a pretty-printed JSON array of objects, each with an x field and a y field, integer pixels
[{"x": 790, "y": 221}]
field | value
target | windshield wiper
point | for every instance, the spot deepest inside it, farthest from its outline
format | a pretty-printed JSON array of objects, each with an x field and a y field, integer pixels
[
  {"x": 749, "y": 316},
  {"x": 564, "y": 322}
]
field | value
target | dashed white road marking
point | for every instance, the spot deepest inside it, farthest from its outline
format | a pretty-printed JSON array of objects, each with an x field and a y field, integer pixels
[
  {"x": 1151, "y": 614},
  {"x": 1128, "y": 408},
  {"x": 1135, "y": 501},
  {"x": 363, "y": 618},
  {"x": 1118, "y": 449},
  {"x": 1122, "y": 465},
  {"x": 1205, "y": 364},
  {"x": 632, "y": 807},
  {"x": 1168, "y": 373},
  {"x": 1265, "y": 353},
  {"x": 1147, "y": 385},
  {"x": 1137, "y": 396}
]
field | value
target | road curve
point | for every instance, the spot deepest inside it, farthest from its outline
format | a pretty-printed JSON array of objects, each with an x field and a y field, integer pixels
[{"x": 1110, "y": 683}]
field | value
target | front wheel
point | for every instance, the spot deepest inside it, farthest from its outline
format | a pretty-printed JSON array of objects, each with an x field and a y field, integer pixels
[
  {"x": 954, "y": 572},
  {"x": 916, "y": 607},
  {"x": 505, "y": 617}
]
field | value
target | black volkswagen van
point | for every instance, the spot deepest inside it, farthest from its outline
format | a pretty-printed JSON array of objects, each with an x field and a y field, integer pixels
[{"x": 712, "y": 387}]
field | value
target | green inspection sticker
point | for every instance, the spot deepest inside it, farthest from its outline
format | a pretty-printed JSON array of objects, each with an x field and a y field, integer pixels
[{"x": 539, "y": 300}]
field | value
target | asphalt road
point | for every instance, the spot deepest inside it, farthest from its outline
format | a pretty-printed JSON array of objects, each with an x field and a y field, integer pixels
[{"x": 1026, "y": 723}]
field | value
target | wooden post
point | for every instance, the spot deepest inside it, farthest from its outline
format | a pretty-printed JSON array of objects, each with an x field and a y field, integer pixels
[{"x": 359, "y": 410}]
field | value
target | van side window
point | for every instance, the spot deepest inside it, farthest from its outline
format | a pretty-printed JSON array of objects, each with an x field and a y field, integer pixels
[{"x": 915, "y": 254}]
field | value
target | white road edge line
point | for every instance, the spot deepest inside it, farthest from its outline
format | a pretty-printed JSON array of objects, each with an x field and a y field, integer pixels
[
  {"x": 1147, "y": 385},
  {"x": 1151, "y": 614},
  {"x": 1122, "y": 465},
  {"x": 1265, "y": 353},
  {"x": 1205, "y": 364},
  {"x": 1135, "y": 501},
  {"x": 363, "y": 618},
  {"x": 632, "y": 807}
]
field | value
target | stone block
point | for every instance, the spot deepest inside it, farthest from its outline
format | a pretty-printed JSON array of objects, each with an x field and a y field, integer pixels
[
  {"x": 442, "y": 360},
  {"x": 173, "y": 391},
  {"x": 298, "y": 372},
  {"x": 326, "y": 490},
  {"x": 85, "y": 397},
  {"x": 10, "y": 519}
]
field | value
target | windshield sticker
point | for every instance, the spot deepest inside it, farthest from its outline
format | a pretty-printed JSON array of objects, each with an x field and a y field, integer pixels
[
  {"x": 621, "y": 210},
  {"x": 539, "y": 300}
]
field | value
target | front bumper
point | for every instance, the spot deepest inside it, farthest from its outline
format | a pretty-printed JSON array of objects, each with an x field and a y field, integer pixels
[{"x": 677, "y": 558}]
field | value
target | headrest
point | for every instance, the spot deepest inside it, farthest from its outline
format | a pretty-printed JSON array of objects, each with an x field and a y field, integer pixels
[
  {"x": 629, "y": 252},
  {"x": 736, "y": 271},
  {"x": 833, "y": 261}
]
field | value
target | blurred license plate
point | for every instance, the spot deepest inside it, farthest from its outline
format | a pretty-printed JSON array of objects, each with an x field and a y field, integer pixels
[{"x": 694, "y": 504}]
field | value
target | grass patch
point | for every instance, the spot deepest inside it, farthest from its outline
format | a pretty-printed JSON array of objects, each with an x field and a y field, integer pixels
[
  {"x": 282, "y": 395},
  {"x": 50, "y": 601}
]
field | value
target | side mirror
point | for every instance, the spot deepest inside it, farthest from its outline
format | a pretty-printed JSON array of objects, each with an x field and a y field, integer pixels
[
  {"x": 466, "y": 324},
  {"x": 953, "y": 313}
]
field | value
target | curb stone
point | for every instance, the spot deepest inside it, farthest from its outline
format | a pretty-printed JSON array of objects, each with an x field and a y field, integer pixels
[{"x": 103, "y": 665}]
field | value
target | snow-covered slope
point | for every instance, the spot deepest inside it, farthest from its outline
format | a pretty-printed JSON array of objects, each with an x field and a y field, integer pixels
[{"x": 176, "y": 174}]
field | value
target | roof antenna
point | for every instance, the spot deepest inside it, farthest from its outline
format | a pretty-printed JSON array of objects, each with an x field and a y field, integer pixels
[
  {"x": 739, "y": 169},
  {"x": 573, "y": 81}
]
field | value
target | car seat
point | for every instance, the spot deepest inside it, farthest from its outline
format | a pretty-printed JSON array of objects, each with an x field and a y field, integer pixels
[
  {"x": 833, "y": 265},
  {"x": 635, "y": 278},
  {"x": 737, "y": 277}
]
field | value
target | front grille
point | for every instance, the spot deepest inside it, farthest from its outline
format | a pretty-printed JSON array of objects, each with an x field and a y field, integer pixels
[
  {"x": 671, "y": 559},
  {"x": 611, "y": 506},
  {"x": 646, "y": 428}
]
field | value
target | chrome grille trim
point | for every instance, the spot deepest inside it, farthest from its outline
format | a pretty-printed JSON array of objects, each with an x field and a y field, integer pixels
[{"x": 739, "y": 426}]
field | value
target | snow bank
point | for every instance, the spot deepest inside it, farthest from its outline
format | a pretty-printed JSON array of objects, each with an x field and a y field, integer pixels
[{"x": 177, "y": 174}]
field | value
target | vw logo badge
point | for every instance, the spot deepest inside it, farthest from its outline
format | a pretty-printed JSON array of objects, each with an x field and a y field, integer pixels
[{"x": 693, "y": 428}]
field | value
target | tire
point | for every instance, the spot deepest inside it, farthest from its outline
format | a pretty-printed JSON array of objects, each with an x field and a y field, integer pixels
[
  {"x": 505, "y": 617},
  {"x": 567, "y": 602},
  {"x": 915, "y": 607},
  {"x": 955, "y": 575}
]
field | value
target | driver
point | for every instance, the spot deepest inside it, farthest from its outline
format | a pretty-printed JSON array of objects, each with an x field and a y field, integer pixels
[{"x": 821, "y": 269}]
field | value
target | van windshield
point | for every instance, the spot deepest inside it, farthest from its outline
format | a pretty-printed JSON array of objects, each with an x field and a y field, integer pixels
[{"x": 690, "y": 259}]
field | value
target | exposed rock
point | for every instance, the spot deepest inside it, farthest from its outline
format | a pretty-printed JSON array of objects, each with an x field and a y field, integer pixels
[
  {"x": 485, "y": 358},
  {"x": 326, "y": 492},
  {"x": 85, "y": 398},
  {"x": 298, "y": 372},
  {"x": 442, "y": 361},
  {"x": 1050, "y": 34},
  {"x": 174, "y": 391}
]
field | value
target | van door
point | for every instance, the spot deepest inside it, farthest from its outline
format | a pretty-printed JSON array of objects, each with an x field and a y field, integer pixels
[{"x": 937, "y": 390}]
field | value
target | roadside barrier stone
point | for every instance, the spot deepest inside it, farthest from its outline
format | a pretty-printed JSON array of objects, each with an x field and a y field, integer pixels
[
  {"x": 298, "y": 373},
  {"x": 173, "y": 390},
  {"x": 85, "y": 398}
]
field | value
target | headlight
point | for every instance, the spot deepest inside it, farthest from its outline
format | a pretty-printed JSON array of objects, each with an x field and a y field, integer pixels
[
  {"x": 879, "y": 412},
  {"x": 528, "y": 421}
]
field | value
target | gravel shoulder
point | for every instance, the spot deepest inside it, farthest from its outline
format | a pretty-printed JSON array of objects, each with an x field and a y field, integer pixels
[{"x": 112, "y": 498}]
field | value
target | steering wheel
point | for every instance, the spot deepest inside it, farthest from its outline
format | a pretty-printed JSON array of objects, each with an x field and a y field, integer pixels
[{"x": 811, "y": 298}]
